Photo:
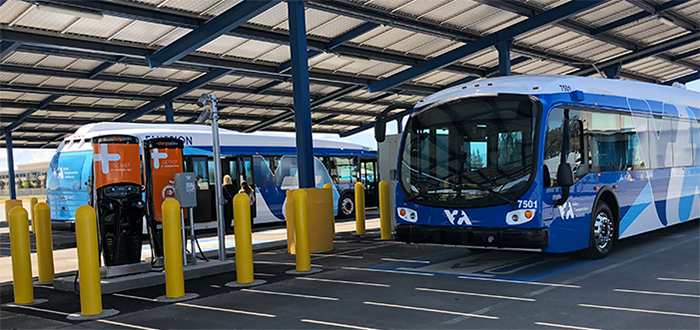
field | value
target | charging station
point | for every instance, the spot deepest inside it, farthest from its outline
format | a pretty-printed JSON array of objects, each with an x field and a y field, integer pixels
[{"x": 119, "y": 203}]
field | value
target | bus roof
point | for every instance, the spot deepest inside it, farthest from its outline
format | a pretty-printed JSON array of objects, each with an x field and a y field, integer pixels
[
  {"x": 196, "y": 136},
  {"x": 551, "y": 84}
]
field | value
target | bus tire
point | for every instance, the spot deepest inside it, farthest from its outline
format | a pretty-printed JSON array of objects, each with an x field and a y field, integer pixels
[
  {"x": 602, "y": 232},
  {"x": 346, "y": 205}
]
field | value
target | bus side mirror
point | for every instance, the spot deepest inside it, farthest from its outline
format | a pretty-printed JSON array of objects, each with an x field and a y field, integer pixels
[
  {"x": 565, "y": 179},
  {"x": 380, "y": 130}
]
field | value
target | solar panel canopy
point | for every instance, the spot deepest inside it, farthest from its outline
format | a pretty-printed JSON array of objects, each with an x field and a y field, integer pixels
[{"x": 68, "y": 63}]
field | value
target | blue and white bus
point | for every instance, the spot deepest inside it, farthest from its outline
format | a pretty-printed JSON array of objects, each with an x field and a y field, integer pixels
[
  {"x": 267, "y": 161},
  {"x": 548, "y": 163}
]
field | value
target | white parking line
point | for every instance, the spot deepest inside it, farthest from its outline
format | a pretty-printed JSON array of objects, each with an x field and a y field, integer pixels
[
  {"x": 342, "y": 282},
  {"x": 388, "y": 271},
  {"x": 264, "y": 274},
  {"x": 336, "y": 324},
  {"x": 336, "y": 255},
  {"x": 563, "y": 326},
  {"x": 282, "y": 263},
  {"x": 520, "y": 282},
  {"x": 640, "y": 310},
  {"x": 37, "y": 309},
  {"x": 407, "y": 260},
  {"x": 431, "y": 310},
  {"x": 132, "y": 297},
  {"x": 226, "y": 310},
  {"x": 678, "y": 279},
  {"x": 475, "y": 294},
  {"x": 289, "y": 294},
  {"x": 660, "y": 293},
  {"x": 125, "y": 325}
]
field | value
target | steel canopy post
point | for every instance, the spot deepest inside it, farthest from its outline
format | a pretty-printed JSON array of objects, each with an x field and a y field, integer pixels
[
  {"x": 302, "y": 95},
  {"x": 503, "y": 48},
  {"x": 169, "y": 112},
  {"x": 10, "y": 165}
]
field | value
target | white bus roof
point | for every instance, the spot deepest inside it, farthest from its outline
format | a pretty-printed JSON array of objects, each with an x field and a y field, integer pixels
[
  {"x": 192, "y": 134},
  {"x": 551, "y": 84}
]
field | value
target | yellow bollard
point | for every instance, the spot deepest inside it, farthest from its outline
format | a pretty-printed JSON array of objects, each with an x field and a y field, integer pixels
[
  {"x": 330, "y": 188},
  {"x": 301, "y": 230},
  {"x": 384, "y": 210},
  {"x": 32, "y": 203},
  {"x": 21, "y": 262},
  {"x": 44, "y": 242},
  {"x": 244, "y": 239},
  {"x": 172, "y": 250},
  {"x": 88, "y": 261},
  {"x": 9, "y": 204},
  {"x": 360, "y": 208}
]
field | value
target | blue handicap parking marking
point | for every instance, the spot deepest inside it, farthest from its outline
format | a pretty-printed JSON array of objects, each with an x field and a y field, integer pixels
[{"x": 488, "y": 264}]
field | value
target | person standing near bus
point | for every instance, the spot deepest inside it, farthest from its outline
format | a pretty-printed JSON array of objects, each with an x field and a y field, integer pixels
[
  {"x": 248, "y": 190},
  {"x": 229, "y": 191}
]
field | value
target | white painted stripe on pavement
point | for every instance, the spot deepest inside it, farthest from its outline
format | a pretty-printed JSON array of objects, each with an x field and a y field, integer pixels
[
  {"x": 336, "y": 255},
  {"x": 519, "y": 282},
  {"x": 678, "y": 279},
  {"x": 660, "y": 293},
  {"x": 640, "y": 310},
  {"x": 407, "y": 260},
  {"x": 226, "y": 310},
  {"x": 337, "y": 324},
  {"x": 342, "y": 282},
  {"x": 289, "y": 294},
  {"x": 37, "y": 309},
  {"x": 431, "y": 310},
  {"x": 389, "y": 271},
  {"x": 125, "y": 325},
  {"x": 132, "y": 297},
  {"x": 281, "y": 263},
  {"x": 475, "y": 294},
  {"x": 563, "y": 326}
]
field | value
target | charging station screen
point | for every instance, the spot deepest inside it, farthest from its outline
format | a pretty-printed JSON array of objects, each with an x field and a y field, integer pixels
[
  {"x": 165, "y": 162},
  {"x": 116, "y": 162}
]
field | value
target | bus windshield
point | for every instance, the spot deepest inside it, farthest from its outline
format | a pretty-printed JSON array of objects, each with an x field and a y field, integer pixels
[{"x": 470, "y": 152}]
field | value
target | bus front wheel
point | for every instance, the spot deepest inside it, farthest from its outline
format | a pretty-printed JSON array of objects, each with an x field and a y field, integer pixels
[
  {"x": 602, "y": 232},
  {"x": 346, "y": 205}
]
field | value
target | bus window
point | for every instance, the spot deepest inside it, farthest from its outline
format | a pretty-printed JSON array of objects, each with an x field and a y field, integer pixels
[
  {"x": 554, "y": 141},
  {"x": 341, "y": 169},
  {"x": 199, "y": 167}
]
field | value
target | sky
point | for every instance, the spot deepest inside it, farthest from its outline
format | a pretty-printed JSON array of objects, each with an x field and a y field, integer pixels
[{"x": 366, "y": 138}]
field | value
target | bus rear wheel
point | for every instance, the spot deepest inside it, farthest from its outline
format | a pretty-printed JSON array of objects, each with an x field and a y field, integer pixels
[
  {"x": 346, "y": 205},
  {"x": 602, "y": 232}
]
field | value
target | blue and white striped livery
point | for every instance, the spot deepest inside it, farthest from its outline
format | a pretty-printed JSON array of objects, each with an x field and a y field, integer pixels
[{"x": 550, "y": 163}]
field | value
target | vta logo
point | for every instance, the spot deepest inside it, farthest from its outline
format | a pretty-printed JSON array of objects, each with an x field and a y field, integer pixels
[
  {"x": 566, "y": 211},
  {"x": 463, "y": 219},
  {"x": 105, "y": 157},
  {"x": 157, "y": 156}
]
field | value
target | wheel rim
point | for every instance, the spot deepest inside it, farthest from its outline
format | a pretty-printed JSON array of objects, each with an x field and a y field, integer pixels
[
  {"x": 603, "y": 231},
  {"x": 348, "y": 206}
]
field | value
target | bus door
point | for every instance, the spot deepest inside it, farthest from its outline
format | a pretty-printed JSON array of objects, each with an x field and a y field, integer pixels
[
  {"x": 368, "y": 177},
  {"x": 245, "y": 173},
  {"x": 203, "y": 211}
]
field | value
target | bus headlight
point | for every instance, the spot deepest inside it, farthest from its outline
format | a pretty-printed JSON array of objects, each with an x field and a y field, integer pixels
[
  {"x": 518, "y": 217},
  {"x": 407, "y": 214}
]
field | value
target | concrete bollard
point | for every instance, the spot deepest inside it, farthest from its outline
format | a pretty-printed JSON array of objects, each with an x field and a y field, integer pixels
[
  {"x": 360, "y": 208},
  {"x": 172, "y": 254},
  {"x": 88, "y": 261},
  {"x": 89, "y": 267},
  {"x": 44, "y": 242},
  {"x": 172, "y": 250},
  {"x": 384, "y": 210},
  {"x": 32, "y": 204},
  {"x": 21, "y": 256},
  {"x": 244, "y": 243}
]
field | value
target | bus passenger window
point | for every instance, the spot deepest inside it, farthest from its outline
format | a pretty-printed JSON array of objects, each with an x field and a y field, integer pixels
[{"x": 553, "y": 145}]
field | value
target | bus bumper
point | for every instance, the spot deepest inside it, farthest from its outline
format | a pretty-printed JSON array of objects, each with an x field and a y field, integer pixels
[
  {"x": 63, "y": 225},
  {"x": 533, "y": 238}
]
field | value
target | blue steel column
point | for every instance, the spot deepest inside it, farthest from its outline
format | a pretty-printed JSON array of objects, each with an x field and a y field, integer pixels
[
  {"x": 504, "y": 57},
  {"x": 10, "y": 165},
  {"x": 302, "y": 95},
  {"x": 169, "y": 112}
]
